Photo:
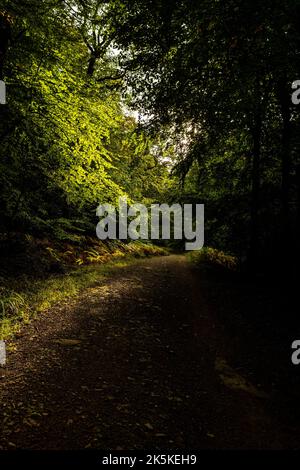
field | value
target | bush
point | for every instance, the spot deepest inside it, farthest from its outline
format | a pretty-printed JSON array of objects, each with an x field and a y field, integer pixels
[{"x": 214, "y": 258}]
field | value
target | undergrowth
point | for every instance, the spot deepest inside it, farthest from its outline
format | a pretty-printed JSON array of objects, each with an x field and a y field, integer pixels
[
  {"x": 213, "y": 258},
  {"x": 22, "y": 298}
]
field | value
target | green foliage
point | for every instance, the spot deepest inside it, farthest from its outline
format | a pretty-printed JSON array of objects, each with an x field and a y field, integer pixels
[
  {"x": 212, "y": 257},
  {"x": 212, "y": 84},
  {"x": 67, "y": 142},
  {"x": 22, "y": 298},
  {"x": 219, "y": 75}
]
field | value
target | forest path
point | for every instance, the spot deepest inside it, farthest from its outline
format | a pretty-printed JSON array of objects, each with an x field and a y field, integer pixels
[{"x": 138, "y": 361}]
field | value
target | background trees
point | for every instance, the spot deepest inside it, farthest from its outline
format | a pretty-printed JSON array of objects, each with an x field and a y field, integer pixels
[
  {"x": 211, "y": 81},
  {"x": 220, "y": 74},
  {"x": 67, "y": 141}
]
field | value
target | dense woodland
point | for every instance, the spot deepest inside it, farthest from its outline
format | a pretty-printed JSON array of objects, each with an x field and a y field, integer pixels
[
  {"x": 180, "y": 101},
  {"x": 158, "y": 101}
]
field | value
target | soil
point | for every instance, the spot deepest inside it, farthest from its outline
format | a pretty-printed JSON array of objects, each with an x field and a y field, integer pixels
[{"x": 142, "y": 360}]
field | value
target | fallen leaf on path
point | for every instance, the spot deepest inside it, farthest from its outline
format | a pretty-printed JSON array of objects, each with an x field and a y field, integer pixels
[
  {"x": 149, "y": 426},
  {"x": 235, "y": 381},
  {"x": 30, "y": 422},
  {"x": 67, "y": 342}
]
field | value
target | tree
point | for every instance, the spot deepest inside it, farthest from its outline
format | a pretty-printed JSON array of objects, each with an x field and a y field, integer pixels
[{"x": 222, "y": 69}]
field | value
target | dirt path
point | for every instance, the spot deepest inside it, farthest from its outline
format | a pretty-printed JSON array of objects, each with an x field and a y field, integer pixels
[{"x": 137, "y": 362}]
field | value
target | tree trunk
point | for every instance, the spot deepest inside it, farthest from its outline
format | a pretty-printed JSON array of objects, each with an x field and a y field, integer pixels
[
  {"x": 91, "y": 66},
  {"x": 5, "y": 36},
  {"x": 298, "y": 210},
  {"x": 255, "y": 192},
  {"x": 284, "y": 102}
]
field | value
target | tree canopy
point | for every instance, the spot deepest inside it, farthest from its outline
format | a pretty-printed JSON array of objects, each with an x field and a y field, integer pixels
[{"x": 211, "y": 82}]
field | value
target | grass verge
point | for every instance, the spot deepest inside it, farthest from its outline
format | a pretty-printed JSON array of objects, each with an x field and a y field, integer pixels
[{"x": 22, "y": 298}]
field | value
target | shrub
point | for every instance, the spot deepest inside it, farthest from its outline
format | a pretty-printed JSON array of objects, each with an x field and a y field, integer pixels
[{"x": 214, "y": 258}]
